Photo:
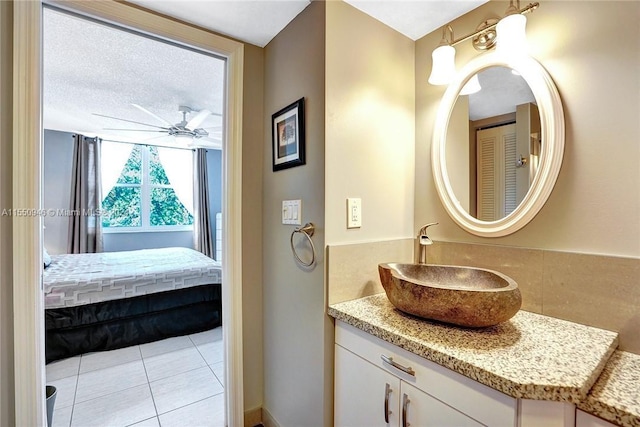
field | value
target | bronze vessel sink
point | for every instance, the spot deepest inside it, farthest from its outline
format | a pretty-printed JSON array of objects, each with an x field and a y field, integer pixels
[{"x": 464, "y": 296}]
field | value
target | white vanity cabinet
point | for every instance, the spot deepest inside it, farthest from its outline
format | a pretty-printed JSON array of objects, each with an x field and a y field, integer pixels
[
  {"x": 365, "y": 395},
  {"x": 584, "y": 419},
  {"x": 368, "y": 396},
  {"x": 379, "y": 384},
  {"x": 533, "y": 368},
  {"x": 421, "y": 409}
]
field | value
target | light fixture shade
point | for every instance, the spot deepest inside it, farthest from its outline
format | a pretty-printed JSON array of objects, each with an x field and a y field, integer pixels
[
  {"x": 511, "y": 35},
  {"x": 472, "y": 86},
  {"x": 183, "y": 140},
  {"x": 444, "y": 66}
]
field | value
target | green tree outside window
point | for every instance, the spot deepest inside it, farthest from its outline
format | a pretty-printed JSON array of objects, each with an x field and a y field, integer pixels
[{"x": 143, "y": 196}]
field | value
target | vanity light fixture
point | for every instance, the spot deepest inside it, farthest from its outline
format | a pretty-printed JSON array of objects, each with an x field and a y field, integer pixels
[
  {"x": 444, "y": 64},
  {"x": 507, "y": 34},
  {"x": 511, "y": 34}
]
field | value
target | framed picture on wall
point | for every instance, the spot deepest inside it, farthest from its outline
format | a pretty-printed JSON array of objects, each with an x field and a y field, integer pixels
[{"x": 287, "y": 130}]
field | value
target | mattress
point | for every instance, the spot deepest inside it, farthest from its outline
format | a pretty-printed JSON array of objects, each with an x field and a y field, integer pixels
[{"x": 77, "y": 279}]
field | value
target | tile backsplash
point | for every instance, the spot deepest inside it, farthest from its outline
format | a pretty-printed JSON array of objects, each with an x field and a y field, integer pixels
[
  {"x": 594, "y": 290},
  {"x": 353, "y": 269}
]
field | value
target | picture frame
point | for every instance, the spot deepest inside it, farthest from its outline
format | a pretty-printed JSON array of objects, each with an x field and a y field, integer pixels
[{"x": 288, "y": 136}]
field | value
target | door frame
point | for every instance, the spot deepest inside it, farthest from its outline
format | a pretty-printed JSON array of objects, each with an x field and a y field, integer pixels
[{"x": 28, "y": 301}]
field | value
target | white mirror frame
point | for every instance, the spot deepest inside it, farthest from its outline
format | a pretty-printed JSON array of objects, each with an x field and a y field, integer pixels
[{"x": 552, "y": 136}]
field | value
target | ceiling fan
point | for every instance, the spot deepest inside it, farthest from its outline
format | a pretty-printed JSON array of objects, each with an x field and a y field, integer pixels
[{"x": 186, "y": 133}]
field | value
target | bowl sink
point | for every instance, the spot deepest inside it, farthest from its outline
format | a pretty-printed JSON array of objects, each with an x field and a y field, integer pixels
[{"x": 464, "y": 296}]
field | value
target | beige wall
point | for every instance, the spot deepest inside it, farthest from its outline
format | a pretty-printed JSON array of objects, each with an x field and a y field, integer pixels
[
  {"x": 252, "y": 153},
  {"x": 6, "y": 292},
  {"x": 370, "y": 109},
  {"x": 298, "y": 335},
  {"x": 592, "y": 51}
]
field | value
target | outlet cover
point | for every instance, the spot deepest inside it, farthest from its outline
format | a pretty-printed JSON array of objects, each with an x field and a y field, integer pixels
[{"x": 354, "y": 213}]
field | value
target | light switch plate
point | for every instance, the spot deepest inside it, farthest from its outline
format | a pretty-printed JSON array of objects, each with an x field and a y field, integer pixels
[
  {"x": 354, "y": 213},
  {"x": 292, "y": 212}
]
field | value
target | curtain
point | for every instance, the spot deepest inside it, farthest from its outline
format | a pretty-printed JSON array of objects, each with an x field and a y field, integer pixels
[
  {"x": 178, "y": 165},
  {"x": 114, "y": 155},
  {"x": 201, "y": 221},
  {"x": 85, "y": 226}
]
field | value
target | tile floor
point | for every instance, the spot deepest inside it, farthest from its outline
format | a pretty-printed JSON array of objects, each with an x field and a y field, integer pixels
[{"x": 174, "y": 382}]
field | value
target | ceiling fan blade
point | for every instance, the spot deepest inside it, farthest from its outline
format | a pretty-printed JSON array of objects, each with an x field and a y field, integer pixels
[
  {"x": 198, "y": 119},
  {"x": 130, "y": 121},
  {"x": 166, "y": 122},
  {"x": 136, "y": 130}
]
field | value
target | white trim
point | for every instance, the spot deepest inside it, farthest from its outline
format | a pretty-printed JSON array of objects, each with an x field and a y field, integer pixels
[
  {"x": 28, "y": 301},
  {"x": 553, "y": 135},
  {"x": 232, "y": 242},
  {"x": 28, "y": 304},
  {"x": 268, "y": 420}
]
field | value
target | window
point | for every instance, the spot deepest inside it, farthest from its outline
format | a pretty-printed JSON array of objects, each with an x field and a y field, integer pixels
[{"x": 143, "y": 198}]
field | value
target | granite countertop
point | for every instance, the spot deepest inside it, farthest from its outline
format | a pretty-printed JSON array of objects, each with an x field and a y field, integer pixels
[
  {"x": 616, "y": 394},
  {"x": 530, "y": 356}
]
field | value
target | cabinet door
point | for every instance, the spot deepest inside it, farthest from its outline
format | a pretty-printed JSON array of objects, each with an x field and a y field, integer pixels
[
  {"x": 418, "y": 409},
  {"x": 365, "y": 395},
  {"x": 584, "y": 419}
]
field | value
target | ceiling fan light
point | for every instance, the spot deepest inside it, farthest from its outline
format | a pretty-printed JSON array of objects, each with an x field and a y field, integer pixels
[
  {"x": 183, "y": 140},
  {"x": 443, "y": 67}
]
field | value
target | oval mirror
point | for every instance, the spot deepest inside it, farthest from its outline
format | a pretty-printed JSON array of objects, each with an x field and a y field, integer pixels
[{"x": 496, "y": 153}]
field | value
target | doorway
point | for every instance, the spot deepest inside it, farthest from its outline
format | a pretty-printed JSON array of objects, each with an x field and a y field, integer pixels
[{"x": 28, "y": 301}]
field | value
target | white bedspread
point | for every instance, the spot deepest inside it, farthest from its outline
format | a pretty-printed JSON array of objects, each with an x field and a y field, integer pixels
[{"x": 79, "y": 279}]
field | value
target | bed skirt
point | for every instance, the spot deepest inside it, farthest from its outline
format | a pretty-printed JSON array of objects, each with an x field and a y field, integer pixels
[{"x": 121, "y": 323}]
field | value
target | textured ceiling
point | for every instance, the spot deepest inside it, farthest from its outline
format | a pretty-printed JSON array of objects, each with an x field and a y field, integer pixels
[
  {"x": 415, "y": 18},
  {"x": 251, "y": 21},
  {"x": 258, "y": 21},
  {"x": 501, "y": 92},
  {"x": 93, "y": 68}
]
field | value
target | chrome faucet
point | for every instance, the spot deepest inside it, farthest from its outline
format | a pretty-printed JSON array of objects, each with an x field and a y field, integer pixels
[{"x": 423, "y": 242}]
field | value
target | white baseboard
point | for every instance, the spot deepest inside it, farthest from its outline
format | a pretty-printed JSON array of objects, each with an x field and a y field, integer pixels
[{"x": 268, "y": 420}]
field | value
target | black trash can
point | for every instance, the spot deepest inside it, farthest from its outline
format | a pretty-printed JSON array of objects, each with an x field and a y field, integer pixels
[{"x": 51, "y": 393}]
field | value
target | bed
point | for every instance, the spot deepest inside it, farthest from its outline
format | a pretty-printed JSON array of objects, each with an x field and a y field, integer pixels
[{"x": 110, "y": 300}]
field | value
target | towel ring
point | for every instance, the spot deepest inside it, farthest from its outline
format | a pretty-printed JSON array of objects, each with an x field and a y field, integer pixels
[{"x": 307, "y": 231}]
